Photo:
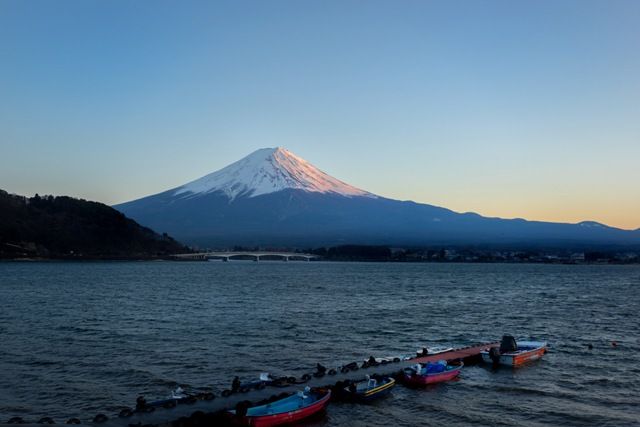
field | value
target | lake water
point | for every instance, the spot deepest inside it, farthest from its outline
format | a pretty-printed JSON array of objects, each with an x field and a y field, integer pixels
[{"x": 83, "y": 338}]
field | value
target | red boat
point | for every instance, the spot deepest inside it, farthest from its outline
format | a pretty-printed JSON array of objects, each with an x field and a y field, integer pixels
[
  {"x": 421, "y": 374},
  {"x": 288, "y": 410}
]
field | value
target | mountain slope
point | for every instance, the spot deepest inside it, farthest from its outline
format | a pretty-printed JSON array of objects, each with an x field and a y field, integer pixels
[
  {"x": 62, "y": 227},
  {"x": 273, "y": 197}
]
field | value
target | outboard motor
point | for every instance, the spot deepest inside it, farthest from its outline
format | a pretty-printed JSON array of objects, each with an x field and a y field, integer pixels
[
  {"x": 494, "y": 355},
  {"x": 141, "y": 403},
  {"x": 508, "y": 344},
  {"x": 242, "y": 408},
  {"x": 235, "y": 384}
]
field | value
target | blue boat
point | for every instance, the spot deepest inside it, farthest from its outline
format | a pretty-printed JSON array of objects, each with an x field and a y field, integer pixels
[{"x": 369, "y": 389}]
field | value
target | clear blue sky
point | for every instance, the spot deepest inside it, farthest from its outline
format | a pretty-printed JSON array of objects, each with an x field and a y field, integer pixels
[{"x": 507, "y": 108}]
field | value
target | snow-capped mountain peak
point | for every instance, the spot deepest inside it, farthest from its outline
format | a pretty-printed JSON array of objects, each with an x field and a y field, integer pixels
[{"x": 265, "y": 171}]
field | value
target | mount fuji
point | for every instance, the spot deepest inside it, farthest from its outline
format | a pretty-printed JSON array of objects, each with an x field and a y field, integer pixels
[{"x": 274, "y": 198}]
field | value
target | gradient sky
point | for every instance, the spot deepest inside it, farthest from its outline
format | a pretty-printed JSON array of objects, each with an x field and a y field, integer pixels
[{"x": 505, "y": 108}]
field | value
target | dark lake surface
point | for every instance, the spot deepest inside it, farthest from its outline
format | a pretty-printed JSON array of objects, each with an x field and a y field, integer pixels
[{"x": 81, "y": 338}]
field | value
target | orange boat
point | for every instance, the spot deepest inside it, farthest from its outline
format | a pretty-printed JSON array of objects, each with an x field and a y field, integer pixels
[{"x": 514, "y": 353}]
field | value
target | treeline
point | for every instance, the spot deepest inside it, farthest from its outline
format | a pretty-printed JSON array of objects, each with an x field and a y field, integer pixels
[
  {"x": 65, "y": 227},
  {"x": 385, "y": 253}
]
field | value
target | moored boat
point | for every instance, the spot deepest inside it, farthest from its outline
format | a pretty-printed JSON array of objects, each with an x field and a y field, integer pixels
[
  {"x": 369, "y": 389},
  {"x": 430, "y": 351},
  {"x": 431, "y": 373},
  {"x": 287, "y": 410},
  {"x": 514, "y": 353}
]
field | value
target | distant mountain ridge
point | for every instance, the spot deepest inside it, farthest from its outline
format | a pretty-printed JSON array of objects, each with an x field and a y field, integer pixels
[
  {"x": 64, "y": 227},
  {"x": 273, "y": 197}
]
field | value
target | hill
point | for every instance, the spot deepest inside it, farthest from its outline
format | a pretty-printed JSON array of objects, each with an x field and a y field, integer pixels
[{"x": 64, "y": 227}]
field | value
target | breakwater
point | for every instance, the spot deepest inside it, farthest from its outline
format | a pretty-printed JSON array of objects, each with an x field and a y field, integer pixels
[{"x": 209, "y": 404}]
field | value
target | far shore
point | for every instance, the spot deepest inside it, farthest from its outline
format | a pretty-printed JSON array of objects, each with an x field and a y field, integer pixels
[{"x": 391, "y": 261}]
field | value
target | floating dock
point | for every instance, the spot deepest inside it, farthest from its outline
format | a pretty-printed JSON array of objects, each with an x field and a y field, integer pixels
[{"x": 183, "y": 413}]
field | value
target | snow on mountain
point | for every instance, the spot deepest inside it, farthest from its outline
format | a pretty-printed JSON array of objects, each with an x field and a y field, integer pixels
[{"x": 265, "y": 171}]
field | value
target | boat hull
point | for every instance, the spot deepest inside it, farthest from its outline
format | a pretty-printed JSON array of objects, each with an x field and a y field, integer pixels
[
  {"x": 286, "y": 417},
  {"x": 374, "y": 393},
  {"x": 515, "y": 359},
  {"x": 422, "y": 380}
]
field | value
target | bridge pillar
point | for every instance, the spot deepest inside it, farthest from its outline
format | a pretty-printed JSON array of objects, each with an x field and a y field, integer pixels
[
  {"x": 257, "y": 258},
  {"x": 285, "y": 259},
  {"x": 225, "y": 259}
]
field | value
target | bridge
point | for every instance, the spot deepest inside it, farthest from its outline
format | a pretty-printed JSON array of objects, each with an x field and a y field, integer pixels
[{"x": 256, "y": 255}]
